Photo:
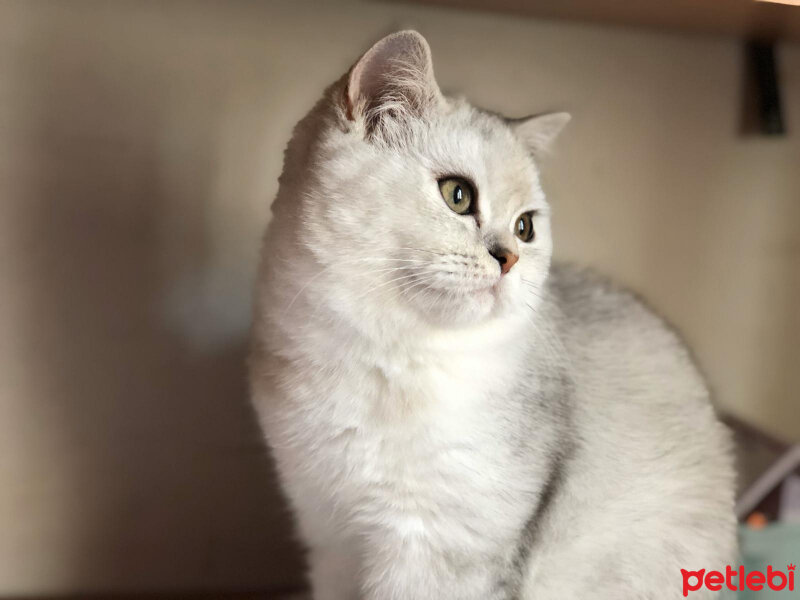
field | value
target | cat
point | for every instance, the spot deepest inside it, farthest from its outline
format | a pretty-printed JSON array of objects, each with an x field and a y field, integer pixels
[{"x": 452, "y": 417}]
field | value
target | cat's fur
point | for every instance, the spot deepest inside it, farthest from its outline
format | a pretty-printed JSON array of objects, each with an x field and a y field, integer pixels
[{"x": 443, "y": 432}]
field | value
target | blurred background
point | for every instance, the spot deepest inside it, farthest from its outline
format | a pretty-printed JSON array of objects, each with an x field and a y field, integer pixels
[{"x": 140, "y": 145}]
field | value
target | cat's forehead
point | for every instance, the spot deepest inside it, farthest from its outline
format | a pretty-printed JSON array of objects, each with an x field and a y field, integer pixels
[{"x": 480, "y": 146}]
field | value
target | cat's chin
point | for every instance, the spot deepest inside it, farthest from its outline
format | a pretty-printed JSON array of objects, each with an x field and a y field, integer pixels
[{"x": 457, "y": 308}]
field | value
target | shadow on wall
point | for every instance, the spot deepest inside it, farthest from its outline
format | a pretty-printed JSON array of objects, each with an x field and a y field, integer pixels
[{"x": 164, "y": 480}]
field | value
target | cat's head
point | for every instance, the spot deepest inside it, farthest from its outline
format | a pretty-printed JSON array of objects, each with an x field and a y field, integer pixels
[{"x": 418, "y": 203}]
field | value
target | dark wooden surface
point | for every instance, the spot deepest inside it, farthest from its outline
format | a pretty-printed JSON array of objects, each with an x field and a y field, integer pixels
[{"x": 733, "y": 17}]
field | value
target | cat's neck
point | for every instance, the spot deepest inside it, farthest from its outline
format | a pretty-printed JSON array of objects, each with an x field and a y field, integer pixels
[{"x": 356, "y": 341}]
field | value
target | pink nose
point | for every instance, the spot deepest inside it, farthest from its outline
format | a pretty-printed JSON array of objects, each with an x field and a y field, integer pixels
[{"x": 506, "y": 258}]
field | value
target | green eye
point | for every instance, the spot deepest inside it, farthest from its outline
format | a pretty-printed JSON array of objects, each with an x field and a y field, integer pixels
[
  {"x": 458, "y": 194},
  {"x": 524, "y": 227}
]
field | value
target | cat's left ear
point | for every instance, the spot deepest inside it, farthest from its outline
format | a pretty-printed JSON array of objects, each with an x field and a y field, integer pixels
[
  {"x": 540, "y": 131},
  {"x": 394, "y": 79}
]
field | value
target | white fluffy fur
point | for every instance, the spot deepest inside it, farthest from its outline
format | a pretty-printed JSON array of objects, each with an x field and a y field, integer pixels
[{"x": 443, "y": 432}]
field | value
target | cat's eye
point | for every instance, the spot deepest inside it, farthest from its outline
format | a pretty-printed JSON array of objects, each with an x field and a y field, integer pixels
[
  {"x": 458, "y": 194},
  {"x": 524, "y": 227}
]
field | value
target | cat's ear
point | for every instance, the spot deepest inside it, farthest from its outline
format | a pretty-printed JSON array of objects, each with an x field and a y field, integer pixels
[
  {"x": 540, "y": 131},
  {"x": 394, "y": 79}
]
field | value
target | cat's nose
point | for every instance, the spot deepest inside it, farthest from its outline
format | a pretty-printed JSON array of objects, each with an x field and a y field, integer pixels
[{"x": 505, "y": 257}]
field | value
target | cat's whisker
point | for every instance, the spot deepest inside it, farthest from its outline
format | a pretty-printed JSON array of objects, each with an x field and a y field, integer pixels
[
  {"x": 532, "y": 288},
  {"x": 348, "y": 261},
  {"x": 420, "y": 279},
  {"x": 422, "y": 289},
  {"x": 443, "y": 293},
  {"x": 536, "y": 294},
  {"x": 369, "y": 259},
  {"x": 426, "y": 251},
  {"x": 383, "y": 285}
]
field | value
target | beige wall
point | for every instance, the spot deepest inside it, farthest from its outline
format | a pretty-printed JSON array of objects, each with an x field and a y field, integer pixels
[{"x": 140, "y": 144}]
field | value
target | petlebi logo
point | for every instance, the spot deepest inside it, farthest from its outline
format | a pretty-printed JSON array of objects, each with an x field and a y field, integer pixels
[{"x": 738, "y": 579}]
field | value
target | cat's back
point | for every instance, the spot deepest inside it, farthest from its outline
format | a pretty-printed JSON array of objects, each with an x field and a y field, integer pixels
[
  {"x": 617, "y": 341},
  {"x": 630, "y": 369},
  {"x": 646, "y": 434}
]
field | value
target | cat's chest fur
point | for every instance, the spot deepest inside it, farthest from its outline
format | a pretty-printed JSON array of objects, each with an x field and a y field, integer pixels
[{"x": 417, "y": 441}]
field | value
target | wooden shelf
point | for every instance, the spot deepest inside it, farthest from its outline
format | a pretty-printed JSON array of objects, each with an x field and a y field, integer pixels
[{"x": 742, "y": 18}]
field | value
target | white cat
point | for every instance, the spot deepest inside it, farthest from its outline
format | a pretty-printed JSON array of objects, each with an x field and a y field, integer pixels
[{"x": 452, "y": 418}]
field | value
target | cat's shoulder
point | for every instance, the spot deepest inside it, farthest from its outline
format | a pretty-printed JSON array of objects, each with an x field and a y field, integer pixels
[
  {"x": 597, "y": 313},
  {"x": 585, "y": 296}
]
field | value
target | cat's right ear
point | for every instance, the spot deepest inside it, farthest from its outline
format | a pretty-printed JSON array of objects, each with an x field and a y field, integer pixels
[
  {"x": 539, "y": 131},
  {"x": 392, "y": 81}
]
